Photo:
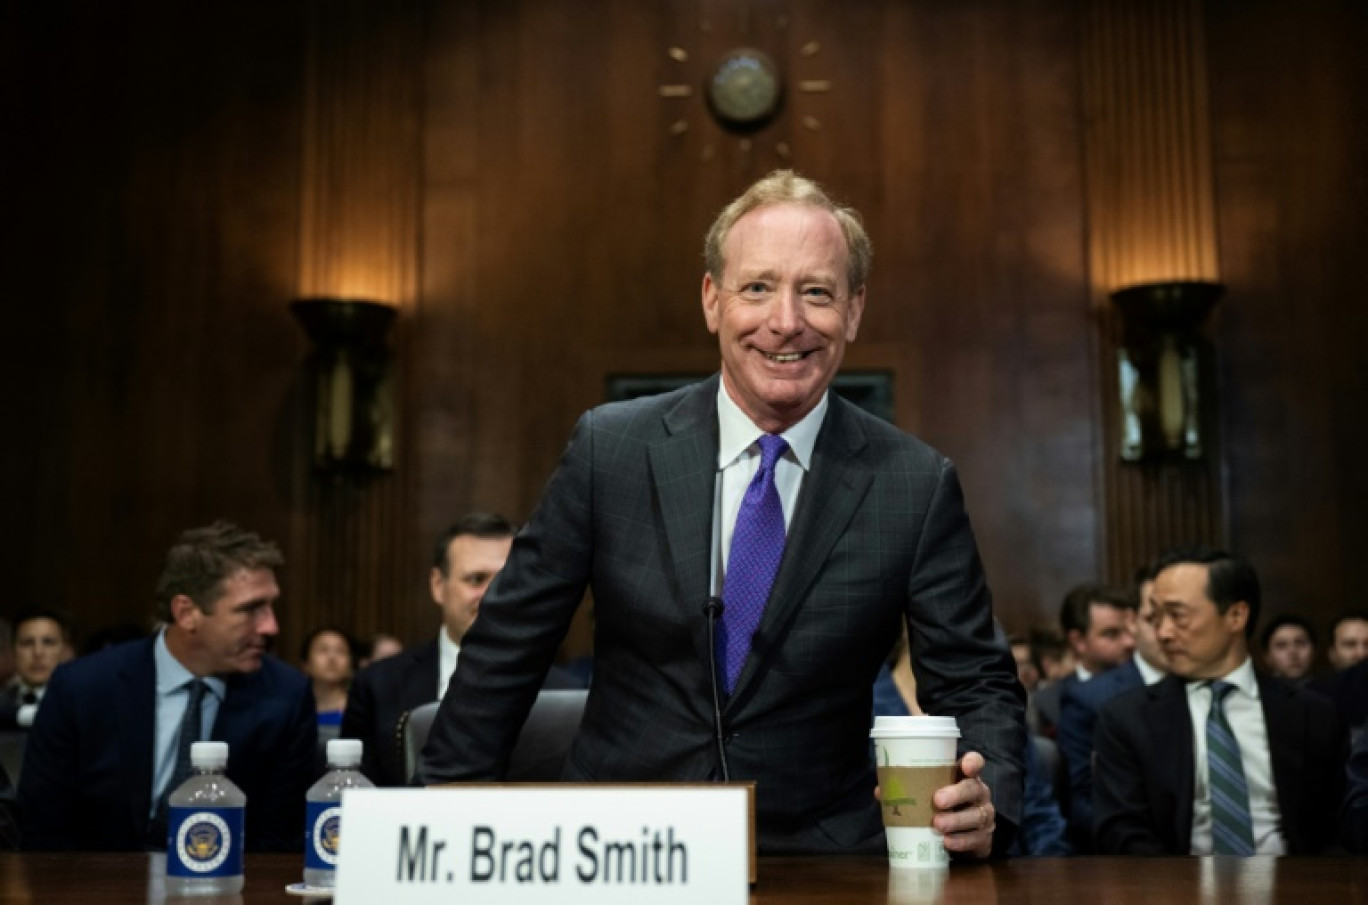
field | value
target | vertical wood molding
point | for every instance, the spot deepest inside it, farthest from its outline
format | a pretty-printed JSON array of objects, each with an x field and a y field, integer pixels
[
  {"x": 1151, "y": 217},
  {"x": 360, "y": 173}
]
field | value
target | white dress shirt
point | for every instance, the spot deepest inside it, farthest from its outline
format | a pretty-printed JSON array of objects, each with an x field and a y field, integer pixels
[
  {"x": 1244, "y": 712},
  {"x": 173, "y": 694},
  {"x": 738, "y": 459},
  {"x": 448, "y": 652}
]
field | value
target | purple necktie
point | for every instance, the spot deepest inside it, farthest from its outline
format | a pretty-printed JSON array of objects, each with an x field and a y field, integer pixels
[{"x": 756, "y": 548}]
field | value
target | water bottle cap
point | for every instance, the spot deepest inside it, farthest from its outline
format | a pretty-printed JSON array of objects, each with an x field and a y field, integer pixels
[
  {"x": 344, "y": 752},
  {"x": 209, "y": 755}
]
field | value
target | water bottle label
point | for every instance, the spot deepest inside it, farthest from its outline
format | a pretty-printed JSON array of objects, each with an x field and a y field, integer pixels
[
  {"x": 324, "y": 822},
  {"x": 204, "y": 842}
]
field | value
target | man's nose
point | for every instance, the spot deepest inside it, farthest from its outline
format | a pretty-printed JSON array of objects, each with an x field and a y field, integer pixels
[
  {"x": 786, "y": 312},
  {"x": 266, "y": 622}
]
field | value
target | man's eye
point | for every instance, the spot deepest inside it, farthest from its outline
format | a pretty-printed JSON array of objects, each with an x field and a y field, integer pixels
[
  {"x": 819, "y": 294},
  {"x": 755, "y": 290}
]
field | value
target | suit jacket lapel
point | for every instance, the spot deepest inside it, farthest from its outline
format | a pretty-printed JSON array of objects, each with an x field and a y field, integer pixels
[
  {"x": 832, "y": 492},
  {"x": 1175, "y": 760},
  {"x": 684, "y": 474},
  {"x": 137, "y": 705},
  {"x": 1287, "y": 746}
]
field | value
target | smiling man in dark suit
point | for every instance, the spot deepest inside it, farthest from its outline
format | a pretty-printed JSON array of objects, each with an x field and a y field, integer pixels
[
  {"x": 103, "y": 752},
  {"x": 1214, "y": 758},
  {"x": 821, "y": 528}
]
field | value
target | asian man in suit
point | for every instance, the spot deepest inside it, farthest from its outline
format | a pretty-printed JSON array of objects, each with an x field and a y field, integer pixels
[
  {"x": 1215, "y": 759},
  {"x": 819, "y": 529},
  {"x": 103, "y": 752},
  {"x": 465, "y": 559}
]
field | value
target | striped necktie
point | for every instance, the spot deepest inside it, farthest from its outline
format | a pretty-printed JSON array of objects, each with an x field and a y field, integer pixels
[{"x": 1232, "y": 832}]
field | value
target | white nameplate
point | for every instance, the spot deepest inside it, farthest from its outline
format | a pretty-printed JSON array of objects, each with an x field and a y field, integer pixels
[{"x": 545, "y": 843}]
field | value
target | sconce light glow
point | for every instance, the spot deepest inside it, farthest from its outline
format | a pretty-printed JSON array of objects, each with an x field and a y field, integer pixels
[
  {"x": 1163, "y": 366},
  {"x": 353, "y": 382}
]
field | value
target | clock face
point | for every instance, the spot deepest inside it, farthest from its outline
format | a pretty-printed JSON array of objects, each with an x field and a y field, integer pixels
[{"x": 745, "y": 88}]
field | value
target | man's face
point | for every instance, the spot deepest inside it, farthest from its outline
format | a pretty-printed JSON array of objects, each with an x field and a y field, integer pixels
[
  {"x": 783, "y": 311},
  {"x": 1026, "y": 668},
  {"x": 1199, "y": 641},
  {"x": 1290, "y": 653},
  {"x": 1109, "y": 640},
  {"x": 233, "y": 637},
  {"x": 329, "y": 658},
  {"x": 1350, "y": 643},
  {"x": 472, "y": 563},
  {"x": 38, "y": 648},
  {"x": 1146, "y": 620}
]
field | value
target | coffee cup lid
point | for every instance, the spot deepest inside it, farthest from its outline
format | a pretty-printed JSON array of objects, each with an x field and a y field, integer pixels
[{"x": 914, "y": 727}]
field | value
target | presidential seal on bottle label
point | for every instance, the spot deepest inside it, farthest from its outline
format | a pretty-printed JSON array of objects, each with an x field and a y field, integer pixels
[{"x": 205, "y": 842}]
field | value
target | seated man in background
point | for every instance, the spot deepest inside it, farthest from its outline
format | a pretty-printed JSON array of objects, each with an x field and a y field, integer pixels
[
  {"x": 1348, "y": 639},
  {"x": 42, "y": 640},
  {"x": 1289, "y": 648},
  {"x": 465, "y": 559},
  {"x": 112, "y": 739},
  {"x": 1215, "y": 759},
  {"x": 1099, "y": 626},
  {"x": 1081, "y": 700}
]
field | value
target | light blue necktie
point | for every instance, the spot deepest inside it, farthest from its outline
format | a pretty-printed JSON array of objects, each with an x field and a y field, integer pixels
[
  {"x": 756, "y": 548},
  {"x": 1232, "y": 832}
]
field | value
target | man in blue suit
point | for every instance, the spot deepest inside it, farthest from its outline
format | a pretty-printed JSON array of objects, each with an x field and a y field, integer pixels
[
  {"x": 857, "y": 527},
  {"x": 1081, "y": 701},
  {"x": 103, "y": 750}
]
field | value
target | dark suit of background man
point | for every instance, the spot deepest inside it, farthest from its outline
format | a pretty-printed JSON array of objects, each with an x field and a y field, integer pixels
[
  {"x": 465, "y": 559},
  {"x": 876, "y": 533},
  {"x": 104, "y": 745},
  {"x": 1153, "y": 792}
]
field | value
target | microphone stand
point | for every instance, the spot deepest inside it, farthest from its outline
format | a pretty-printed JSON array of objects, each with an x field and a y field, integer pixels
[{"x": 712, "y": 608}]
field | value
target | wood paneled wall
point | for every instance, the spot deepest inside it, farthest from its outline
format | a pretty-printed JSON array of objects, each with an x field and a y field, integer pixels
[
  {"x": 1151, "y": 216},
  {"x": 511, "y": 175}
]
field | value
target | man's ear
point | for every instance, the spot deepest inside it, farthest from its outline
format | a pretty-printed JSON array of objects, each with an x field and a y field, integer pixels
[
  {"x": 185, "y": 613},
  {"x": 1237, "y": 615},
  {"x": 1075, "y": 639},
  {"x": 436, "y": 581},
  {"x": 711, "y": 313}
]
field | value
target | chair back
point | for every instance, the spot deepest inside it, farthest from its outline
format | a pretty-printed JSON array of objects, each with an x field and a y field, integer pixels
[
  {"x": 412, "y": 732},
  {"x": 542, "y": 746}
]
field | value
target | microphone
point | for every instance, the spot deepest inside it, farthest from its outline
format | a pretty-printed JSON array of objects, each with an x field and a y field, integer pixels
[{"x": 712, "y": 608}]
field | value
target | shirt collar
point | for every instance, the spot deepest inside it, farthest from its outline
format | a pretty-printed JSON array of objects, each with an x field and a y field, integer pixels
[
  {"x": 448, "y": 647},
  {"x": 1149, "y": 674},
  {"x": 737, "y": 433},
  {"x": 172, "y": 674},
  {"x": 1242, "y": 677}
]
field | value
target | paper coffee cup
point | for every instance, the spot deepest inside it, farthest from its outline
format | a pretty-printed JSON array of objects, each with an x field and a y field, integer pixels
[{"x": 915, "y": 756}]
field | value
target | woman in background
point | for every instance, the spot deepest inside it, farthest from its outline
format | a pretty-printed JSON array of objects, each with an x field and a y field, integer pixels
[{"x": 329, "y": 656}]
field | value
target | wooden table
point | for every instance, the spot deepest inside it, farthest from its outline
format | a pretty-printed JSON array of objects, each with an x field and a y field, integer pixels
[{"x": 123, "y": 879}]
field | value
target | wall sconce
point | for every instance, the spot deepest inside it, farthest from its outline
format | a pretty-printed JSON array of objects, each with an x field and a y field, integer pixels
[
  {"x": 1163, "y": 368},
  {"x": 353, "y": 371}
]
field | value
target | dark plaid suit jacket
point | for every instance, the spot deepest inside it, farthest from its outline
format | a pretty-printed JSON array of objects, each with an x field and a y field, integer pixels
[{"x": 879, "y": 535}]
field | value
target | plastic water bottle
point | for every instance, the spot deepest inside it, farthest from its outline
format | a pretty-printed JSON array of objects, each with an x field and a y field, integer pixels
[
  {"x": 204, "y": 828},
  {"x": 323, "y": 814}
]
